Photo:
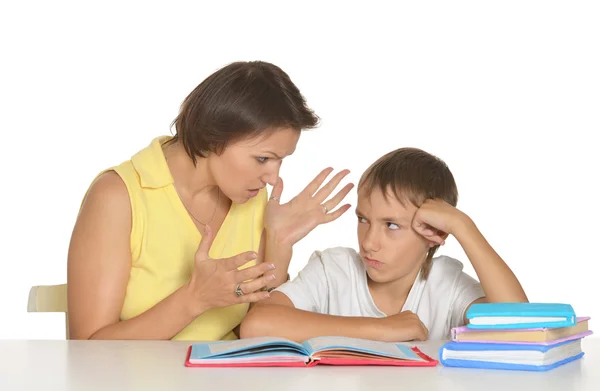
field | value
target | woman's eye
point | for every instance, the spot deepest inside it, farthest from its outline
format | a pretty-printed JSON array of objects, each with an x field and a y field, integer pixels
[
  {"x": 262, "y": 159},
  {"x": 362, "y": 220}
]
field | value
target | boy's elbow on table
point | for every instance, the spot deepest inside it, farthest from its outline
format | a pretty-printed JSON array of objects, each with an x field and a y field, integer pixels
[{"x": 255, "y": 324}]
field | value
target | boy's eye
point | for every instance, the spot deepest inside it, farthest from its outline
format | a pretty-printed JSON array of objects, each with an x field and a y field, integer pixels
[
  {"x": 262, "y": 159},
  {"x": 362, "y": 219},
  {"x": 393, "y": 226}
]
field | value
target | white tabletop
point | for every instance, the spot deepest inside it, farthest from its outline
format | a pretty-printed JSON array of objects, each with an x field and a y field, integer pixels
[{"x": 158, "y": 365}]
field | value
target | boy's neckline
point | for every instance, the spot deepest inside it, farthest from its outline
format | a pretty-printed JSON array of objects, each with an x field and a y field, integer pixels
[{"x": 409, "y": 301}]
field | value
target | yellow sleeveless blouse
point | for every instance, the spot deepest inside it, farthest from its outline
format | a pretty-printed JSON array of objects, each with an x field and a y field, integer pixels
[{"x": 164, "y": 241}]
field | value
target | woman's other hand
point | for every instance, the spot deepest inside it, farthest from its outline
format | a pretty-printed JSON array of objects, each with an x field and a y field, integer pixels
[{"x": 214, "y": 282}]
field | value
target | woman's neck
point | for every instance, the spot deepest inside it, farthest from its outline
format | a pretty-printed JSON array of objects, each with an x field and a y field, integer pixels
[{"x": 190, "y": 180}]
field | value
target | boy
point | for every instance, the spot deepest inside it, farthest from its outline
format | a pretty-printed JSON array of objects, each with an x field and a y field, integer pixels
[{"x": 391, "y": 289}]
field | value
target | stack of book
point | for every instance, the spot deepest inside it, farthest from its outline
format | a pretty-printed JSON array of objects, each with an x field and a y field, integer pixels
[{"x": 517, "y": 336}]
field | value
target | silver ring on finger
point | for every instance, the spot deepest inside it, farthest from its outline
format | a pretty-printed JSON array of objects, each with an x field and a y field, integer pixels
[
  {"x": 325, "y": 209},
  {"x": 238, "y": 290}
]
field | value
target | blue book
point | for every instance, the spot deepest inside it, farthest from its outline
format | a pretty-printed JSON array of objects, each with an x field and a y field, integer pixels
[
  {"x": 520, "y": 315},
  {"x": 509, "y": 356}
]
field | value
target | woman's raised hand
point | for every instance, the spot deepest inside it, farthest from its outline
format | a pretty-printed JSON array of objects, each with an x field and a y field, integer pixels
[{"x": 293, "y": 220}]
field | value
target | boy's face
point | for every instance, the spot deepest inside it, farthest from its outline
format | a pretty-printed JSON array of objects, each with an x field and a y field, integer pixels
[{"x": 389, "y": 247}]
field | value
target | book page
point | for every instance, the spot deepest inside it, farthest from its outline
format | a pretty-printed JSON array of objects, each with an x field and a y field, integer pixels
[
  {"x": 506, "y": 320},
  {"x": 251, "y": 344},
  {"x": 378, "y": 348},
  {"x": 522, "y": 336}
]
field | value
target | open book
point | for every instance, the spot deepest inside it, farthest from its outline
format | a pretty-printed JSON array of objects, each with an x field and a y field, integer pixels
[{"x": 271, "y": 351}]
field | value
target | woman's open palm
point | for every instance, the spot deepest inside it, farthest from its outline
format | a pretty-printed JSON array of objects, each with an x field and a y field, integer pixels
[{"x": 293, "y": 220}]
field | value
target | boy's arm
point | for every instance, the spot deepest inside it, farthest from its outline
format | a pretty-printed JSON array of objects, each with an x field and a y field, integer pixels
[
  {"x": 277, "y": 316},
  {"x": 497, "y": 280}
]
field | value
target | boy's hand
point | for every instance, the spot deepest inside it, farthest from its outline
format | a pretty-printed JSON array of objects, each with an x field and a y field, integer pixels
[
  {"x": 404, "y": 326},
  {"x": 435, "y": 220}
]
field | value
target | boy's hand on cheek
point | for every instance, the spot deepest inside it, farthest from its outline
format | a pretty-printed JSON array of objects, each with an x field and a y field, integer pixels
[{"x": 435, "y": 220}]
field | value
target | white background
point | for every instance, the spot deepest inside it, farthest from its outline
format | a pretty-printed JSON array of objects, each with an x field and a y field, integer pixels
[{"x": 507, "y": 93}]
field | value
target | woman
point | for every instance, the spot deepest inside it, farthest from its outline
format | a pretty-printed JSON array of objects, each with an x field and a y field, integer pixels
[{"x": 178, "y": 241}]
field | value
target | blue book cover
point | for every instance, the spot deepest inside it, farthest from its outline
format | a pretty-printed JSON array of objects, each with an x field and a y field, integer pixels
[
  {"x": 520, "y": 315},
  {"x": 509, "y": 356}
]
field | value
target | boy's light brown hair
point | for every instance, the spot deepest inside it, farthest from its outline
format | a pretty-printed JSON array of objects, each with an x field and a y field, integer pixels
[{"x": 411, "y": 175}]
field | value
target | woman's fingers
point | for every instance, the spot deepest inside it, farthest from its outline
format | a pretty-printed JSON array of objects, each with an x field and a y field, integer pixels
[
  {"x": 253, "y": 272},
  {"x": 314, "y": 185},
  {"x": 238, "y": 260},
  {"x": 277, "y": 191},
  {"x": 205, "y": 244},
  {"x": 336, "y": 213},
  {"x": 330, "y": 186},
  {"x": 333, "y": 202},
  {"x": 253, "y": 297},
  {"x": 256, "y": 285}
]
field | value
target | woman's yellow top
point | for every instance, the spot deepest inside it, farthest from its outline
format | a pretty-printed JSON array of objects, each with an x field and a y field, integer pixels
[{"x": 164, "y": 240}]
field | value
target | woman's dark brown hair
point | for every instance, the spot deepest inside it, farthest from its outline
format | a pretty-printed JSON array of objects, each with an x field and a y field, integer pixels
[{"x": 240, "y": 100}]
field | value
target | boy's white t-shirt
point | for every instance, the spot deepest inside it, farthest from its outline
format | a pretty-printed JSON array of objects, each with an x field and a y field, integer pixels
[{"x": 334, "y": 282}]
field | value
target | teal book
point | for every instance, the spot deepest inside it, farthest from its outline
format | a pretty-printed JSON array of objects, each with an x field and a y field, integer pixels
[{"x": 520, "y": 315}]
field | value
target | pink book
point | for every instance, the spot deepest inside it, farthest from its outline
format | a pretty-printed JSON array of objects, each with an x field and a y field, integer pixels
[
  {"x": 525, "y": 336},
  {"x": 279, "y": 352}
]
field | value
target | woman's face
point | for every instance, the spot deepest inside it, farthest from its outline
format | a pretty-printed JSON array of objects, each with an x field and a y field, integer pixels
[{"x": 250, "y": 164}]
